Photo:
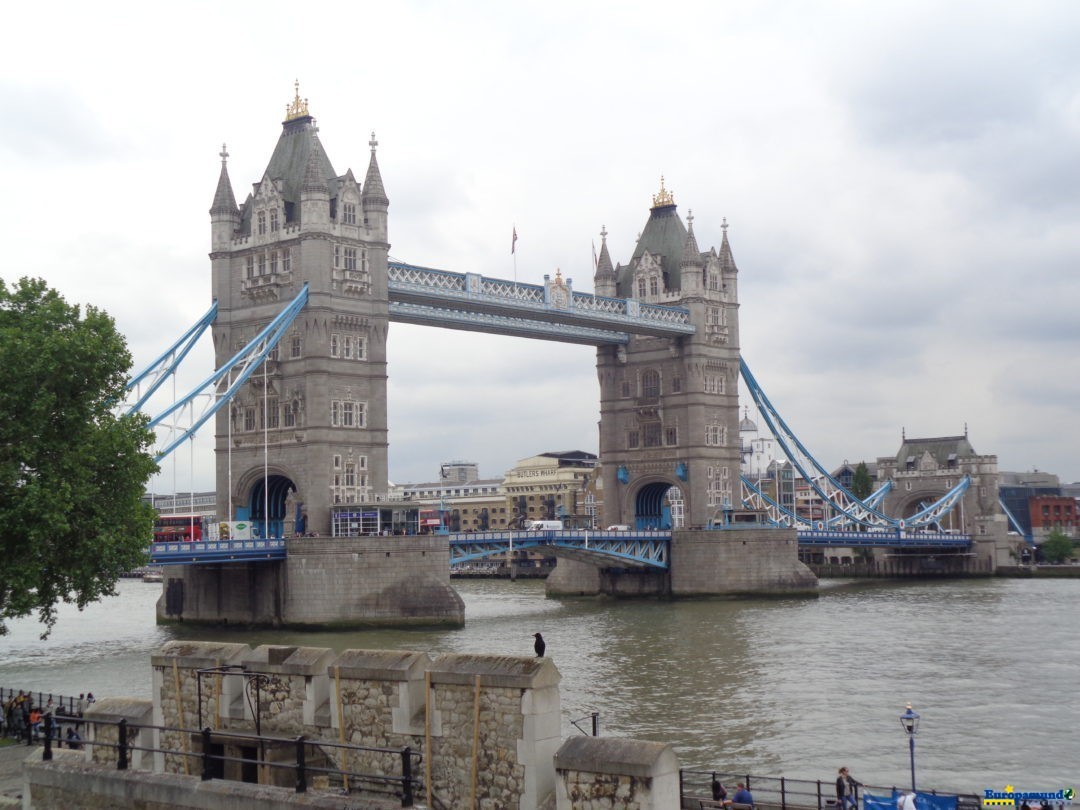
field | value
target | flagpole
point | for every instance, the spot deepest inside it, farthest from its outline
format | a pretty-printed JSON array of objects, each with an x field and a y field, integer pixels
[{"x": 513, "y": 252}]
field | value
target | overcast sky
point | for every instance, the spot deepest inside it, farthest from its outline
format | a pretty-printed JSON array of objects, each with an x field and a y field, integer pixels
[{"x": 901, "y": 180}]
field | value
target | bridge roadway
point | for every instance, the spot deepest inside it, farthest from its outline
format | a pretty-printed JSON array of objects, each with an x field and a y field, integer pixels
[{"x": 638, "y": 548}]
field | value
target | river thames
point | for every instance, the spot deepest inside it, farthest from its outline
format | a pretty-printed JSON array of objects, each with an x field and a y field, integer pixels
[{"x": 793, "y": 687}]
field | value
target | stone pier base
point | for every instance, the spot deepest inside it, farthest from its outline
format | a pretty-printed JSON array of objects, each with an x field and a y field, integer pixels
[
  {"x": 325, "y": 582},
  {"x": 702, "y": 563}
]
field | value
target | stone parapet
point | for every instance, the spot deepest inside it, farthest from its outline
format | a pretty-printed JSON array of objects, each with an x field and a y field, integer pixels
[
  {"x": 487, "y": 726},
  {"x": 611, "y": 772}
]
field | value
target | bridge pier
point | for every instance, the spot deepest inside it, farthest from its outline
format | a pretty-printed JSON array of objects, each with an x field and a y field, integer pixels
[
  {"x": 326, "y": 583},
  {"x": 756, "y": 561}
]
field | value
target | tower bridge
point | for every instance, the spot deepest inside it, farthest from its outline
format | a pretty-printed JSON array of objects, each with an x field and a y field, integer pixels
[{"x": 300, "y": 409}]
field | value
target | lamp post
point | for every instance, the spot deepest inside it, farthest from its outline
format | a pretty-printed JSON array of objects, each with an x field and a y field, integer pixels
[{"x": 910, "y": 721}]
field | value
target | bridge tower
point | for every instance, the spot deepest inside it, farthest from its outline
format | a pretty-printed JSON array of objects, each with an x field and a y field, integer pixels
[
  {"x": 669, "y": 410},
  {"x": 311, "y": 430}
]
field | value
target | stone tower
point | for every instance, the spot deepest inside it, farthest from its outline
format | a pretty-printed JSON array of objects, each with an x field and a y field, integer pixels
[
  {"x": 669, "y": 406},
  {"x": 309, "y": 430}
]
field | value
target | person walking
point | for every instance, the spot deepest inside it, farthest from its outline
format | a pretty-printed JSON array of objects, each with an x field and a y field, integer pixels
[{"x": 846, "y": 793}]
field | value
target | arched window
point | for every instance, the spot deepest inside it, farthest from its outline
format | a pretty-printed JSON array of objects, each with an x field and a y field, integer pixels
[
  {"x": 261, "y": 219},
  {"x": 641, "y": 288},
  {"x": 654, "y": 286}
]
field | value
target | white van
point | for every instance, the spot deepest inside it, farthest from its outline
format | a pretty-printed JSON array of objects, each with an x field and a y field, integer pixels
[
  {"x": 621, "y": 527},
  {"x": 543, "y": 525}
]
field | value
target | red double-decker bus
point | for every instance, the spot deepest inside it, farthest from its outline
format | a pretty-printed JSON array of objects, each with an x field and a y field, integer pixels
[{"x": 178, "y": 528}]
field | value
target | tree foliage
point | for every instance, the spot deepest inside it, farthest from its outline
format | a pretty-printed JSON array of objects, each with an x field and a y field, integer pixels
[
  {"x": 1057, "y": 547},
  {"x": 72, "y": 472},
  {"x": 861, "y": 482}
]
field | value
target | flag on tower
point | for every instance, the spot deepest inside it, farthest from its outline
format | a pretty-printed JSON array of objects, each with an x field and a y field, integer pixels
[{"x": 513, "y": 242}]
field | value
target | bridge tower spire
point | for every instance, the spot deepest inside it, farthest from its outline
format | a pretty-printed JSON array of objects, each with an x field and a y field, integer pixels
[{"x": 669, "y": 427}]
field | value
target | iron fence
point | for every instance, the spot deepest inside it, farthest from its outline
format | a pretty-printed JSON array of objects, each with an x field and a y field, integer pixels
[
  {"x": 261, "y": 758},
  {"x": 781, "y": 793}
]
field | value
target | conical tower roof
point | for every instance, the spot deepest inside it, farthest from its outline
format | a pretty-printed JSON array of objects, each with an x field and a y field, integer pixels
[
  {"x": 691, "y": 256},
  {"x": 605, "y": 271},
  {"x": 727, "y": 261},
  {"x": 373, "y": 192},
  {"x": 224, "y": 201}
]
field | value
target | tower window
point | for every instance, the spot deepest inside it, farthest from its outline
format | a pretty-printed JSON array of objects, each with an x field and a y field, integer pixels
[
  {"x": 348, "y": 213},
  {"x": 641, "y": 288},
  {"x": 650, "y": 385},
  {"x": 652, "y": 434},
  {"x": 260, "y": 219},
  {"x": 289, "y": 415},
  {"x": 334, "y": 345},
  {"x": 262, "y": 264},
  {"x": 273, "y": 263},
  {"x": 286, "y": 261},
  {"x": 350, "y": 258},
  {"x": 654, "y": 286},
  {"x": 273, "y": 220},
  {"x": 296, "y": 348},
  {"x": 250, "y": 266},
  {"x": 671, "y": 436}
]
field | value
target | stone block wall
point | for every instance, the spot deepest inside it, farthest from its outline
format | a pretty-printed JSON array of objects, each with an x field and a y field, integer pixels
[
  {"x": 487, "y": 726},
  {"x": 607, "y": 772},
  {"x": 353, "y": 581},
  {"x": 739, "y": 561}
]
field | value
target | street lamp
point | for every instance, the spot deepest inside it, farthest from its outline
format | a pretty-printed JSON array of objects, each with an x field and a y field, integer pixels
[{"x": 910, "y": 721}]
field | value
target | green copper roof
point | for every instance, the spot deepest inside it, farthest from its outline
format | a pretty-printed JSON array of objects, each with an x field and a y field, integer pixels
[{"x": 664, "y": 237}]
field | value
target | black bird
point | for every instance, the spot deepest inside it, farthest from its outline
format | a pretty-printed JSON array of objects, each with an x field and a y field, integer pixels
[{"x": 539, "y": 645}]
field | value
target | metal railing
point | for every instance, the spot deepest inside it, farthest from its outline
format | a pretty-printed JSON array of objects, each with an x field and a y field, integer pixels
[
  {"x": 212, "y": 759},
  {"x": 781, "y": 793}
]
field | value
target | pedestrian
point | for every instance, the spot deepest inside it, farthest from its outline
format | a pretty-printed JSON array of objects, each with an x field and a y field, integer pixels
[
  {"x": 743, "y": 796},
  {"x": 74, "y": 741},
  {"x": 89, "y": 698},
  {"x": 846, "y": 791},
  {"x": 906, "y": 801}
]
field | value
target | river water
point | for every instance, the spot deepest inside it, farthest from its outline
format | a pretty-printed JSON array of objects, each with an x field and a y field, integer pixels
[{"x": 793, "y": 687}]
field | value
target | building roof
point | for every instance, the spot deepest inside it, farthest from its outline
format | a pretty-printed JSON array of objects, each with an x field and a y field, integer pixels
[
  {"x": 664, "y": 237},
  {"x": 943, "y": 449}
]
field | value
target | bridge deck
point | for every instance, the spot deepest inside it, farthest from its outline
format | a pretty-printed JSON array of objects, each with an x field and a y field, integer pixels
[{"x": 217, "y": 551}]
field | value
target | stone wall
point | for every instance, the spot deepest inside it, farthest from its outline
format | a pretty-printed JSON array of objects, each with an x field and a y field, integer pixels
[
  {"x": 356, "y": 581},
  {"x": 487, "y": 726},
  {"x": 703, "y": 563},
  {"x": 607, "y": 772},
  {"x": 739, "y": 561},
  {"x": 335, "y": 582}
]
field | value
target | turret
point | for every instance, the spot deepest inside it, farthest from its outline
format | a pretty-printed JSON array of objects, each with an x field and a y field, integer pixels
[
  {"x": 605, "y": 278},
  {"x": 224, "y": 215},
  {"x": 314, "y": 194},
  {"x": 374, "y": 200},
  {"x": 691, "y": 266}
]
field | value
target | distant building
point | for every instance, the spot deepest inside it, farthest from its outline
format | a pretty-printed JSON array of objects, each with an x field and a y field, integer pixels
[
  {"x": 461, "y": 472},
  {"x": 758, "y": 451},
  {"x": 1049, "y": 512},
  {"x": 925, "y": 470}
]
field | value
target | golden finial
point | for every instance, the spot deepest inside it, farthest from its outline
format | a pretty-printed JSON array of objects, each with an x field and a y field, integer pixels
[
  {"x": 664, "y": 197},
  {"x": 299, "y": 107}
]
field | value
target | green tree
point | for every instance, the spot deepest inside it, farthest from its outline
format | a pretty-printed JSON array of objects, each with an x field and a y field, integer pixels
[
  {"x": 861, "y": 482},
  {"x": 1057, "y": 547},
  {"x": 72, "y": 472}
]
